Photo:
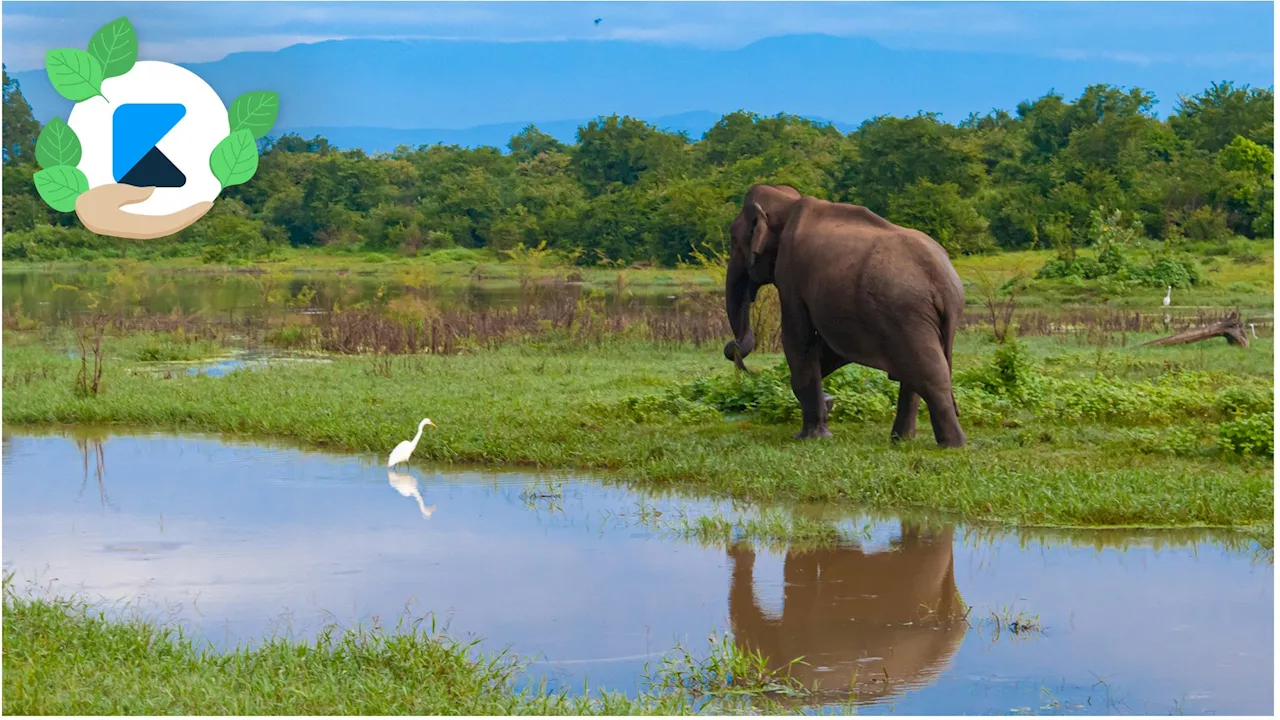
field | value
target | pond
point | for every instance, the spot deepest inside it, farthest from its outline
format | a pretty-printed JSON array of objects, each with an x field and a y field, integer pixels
[
  {"x": 240, "y": 540},
  {"x": 52, "y": 296}
]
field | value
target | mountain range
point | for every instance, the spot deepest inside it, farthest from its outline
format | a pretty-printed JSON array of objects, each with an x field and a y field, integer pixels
[{"x": 376, "y": 94}]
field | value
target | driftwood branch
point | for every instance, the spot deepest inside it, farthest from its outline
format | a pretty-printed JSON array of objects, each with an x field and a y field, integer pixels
[{"x": 1228, "y": 327}]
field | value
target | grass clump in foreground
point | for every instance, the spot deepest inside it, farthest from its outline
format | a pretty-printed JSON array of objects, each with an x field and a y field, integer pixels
[
  {"x": 1068, "y": 435},
  {"x": 63, "y": 658}
]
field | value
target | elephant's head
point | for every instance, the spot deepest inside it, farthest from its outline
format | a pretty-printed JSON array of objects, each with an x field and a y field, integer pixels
[{"x": 754, "y": 248}]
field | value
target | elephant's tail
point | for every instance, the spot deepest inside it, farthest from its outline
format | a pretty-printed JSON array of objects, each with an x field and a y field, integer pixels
[{"x": 947, "y": 333}]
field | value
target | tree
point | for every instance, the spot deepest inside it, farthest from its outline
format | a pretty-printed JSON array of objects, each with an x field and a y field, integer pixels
[
  {"x": 532, "y": 142},
  {"x": 20, "y": 126},
  {"x": 616, "y": 151},
  {"x": 941, "y": 213},
  {"x": 895, "y": 153},
  {"x": 1213, "y": 118}
]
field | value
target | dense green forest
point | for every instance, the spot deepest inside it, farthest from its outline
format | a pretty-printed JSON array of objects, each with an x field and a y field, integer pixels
[{"x": 630, "y": 192}]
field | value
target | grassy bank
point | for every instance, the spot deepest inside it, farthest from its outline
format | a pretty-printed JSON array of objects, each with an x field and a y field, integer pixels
[
  {"x": 63, "y": 658},
  {"x": 66, "y": 657},
  {"x": 1063, "y": 434}
]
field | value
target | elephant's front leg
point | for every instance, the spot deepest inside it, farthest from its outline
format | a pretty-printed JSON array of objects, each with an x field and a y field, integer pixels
[{"x": 803, "y": 349}]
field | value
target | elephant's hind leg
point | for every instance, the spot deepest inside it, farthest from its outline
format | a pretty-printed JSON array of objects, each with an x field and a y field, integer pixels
[
  {"x": 904, "y": 425},
  {"x": 942, "y": 413},
  {"x": 930, "y": 378}
]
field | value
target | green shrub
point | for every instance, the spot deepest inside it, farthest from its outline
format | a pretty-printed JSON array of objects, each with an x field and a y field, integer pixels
[
  {"x": 1242, "y": 287},
  {"x": 1239, "y": 401},
  {"x": 644, "y": 408},
  {"x": 1252, "y": 435}
]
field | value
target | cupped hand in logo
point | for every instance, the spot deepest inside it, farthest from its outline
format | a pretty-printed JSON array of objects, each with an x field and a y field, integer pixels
[{"x": 100, "y": 210}]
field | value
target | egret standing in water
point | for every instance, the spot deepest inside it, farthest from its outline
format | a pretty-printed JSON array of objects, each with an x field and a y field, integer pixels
[{"x": 402, "y": 451}]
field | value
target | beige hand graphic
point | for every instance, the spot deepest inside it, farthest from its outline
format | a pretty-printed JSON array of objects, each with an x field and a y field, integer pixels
[{"x": 99, "y": 210}]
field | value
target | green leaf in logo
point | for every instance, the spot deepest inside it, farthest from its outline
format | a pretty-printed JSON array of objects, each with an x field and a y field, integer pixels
[
  {"x": 57, "y": 145},
  {"x": 60, "y": 185},
  {"x": 255, "y": 112},
  {"x": 115, "y": 46},
  {"x": 235, "y": 159},
  {"x": 75, "y": 74}
]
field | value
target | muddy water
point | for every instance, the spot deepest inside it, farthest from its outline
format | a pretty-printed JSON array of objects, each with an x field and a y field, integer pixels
[{"x": 240, "y": 540}]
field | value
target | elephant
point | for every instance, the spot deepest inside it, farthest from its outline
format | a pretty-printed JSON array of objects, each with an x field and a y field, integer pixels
[
  {"x": 868, "y": 622},
  {"x": 853, "y": 288}
]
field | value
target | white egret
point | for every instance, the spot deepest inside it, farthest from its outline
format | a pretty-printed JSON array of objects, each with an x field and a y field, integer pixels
[
  {"x": 1168, "y": 295},
  {"x": 407, "y": 486},
  {"x": 1254, "y": 331},
  {"x": 402, "y": 451}
]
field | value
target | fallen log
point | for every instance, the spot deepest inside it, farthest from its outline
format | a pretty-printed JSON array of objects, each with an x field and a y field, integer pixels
[{"x": 1228, "y": 327}]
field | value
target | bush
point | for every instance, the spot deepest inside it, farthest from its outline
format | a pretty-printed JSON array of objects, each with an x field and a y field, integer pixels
[{"x": 1252, "y": 435}]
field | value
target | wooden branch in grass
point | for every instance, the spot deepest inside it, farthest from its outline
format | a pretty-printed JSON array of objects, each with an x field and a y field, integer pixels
[{"x": 1228, "y": 327}]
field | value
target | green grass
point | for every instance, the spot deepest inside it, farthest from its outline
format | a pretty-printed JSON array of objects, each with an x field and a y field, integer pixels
[
  {"x": 65, "y": 657},
  {"x": 556, "y": 408}
]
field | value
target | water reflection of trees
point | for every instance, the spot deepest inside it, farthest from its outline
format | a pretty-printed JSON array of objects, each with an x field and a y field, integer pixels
[
  {"x": 868, "y": 624},
  {"x": 93, "y": 447}
]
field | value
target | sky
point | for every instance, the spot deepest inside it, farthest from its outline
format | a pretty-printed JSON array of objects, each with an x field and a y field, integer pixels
[{"x": 1229, "y": 36}]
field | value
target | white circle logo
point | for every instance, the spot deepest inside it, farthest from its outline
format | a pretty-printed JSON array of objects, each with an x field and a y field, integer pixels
[
  {"x": 161, "y": 116},
  {"x": 148, "y": 145}
]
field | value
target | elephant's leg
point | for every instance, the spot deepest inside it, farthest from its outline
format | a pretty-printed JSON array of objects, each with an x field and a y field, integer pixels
[
  {"x": 904, "y": 425},
  {"x": 803, "y": 349},
  {"x": 937, "y": 394},
  {"x": 831, "y": 362},
  {"x": 920, "y": 364}
]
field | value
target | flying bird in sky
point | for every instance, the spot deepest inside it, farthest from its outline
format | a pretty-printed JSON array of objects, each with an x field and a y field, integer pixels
[{"x": 598, "y": 20}]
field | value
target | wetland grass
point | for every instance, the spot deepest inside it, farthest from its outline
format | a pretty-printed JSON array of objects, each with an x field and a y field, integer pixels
[
  {"x": 1116, "y": 460},
  {"x": 62, "y": 657}
]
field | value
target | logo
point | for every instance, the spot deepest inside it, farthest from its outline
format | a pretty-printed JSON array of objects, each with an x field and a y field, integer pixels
[{"x": 149, "y": 145}]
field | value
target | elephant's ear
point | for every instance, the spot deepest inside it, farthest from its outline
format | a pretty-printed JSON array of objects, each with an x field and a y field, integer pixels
[{"x": 760, "y": 235}]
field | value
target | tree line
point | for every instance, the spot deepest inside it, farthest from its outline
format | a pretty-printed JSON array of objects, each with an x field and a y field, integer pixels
[{"x": 627, "y": 191}]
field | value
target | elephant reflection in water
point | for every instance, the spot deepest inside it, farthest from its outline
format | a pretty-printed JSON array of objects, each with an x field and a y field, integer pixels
[
  {"x": 893, "y": 618},
  {"x": 407, "y": 486}
]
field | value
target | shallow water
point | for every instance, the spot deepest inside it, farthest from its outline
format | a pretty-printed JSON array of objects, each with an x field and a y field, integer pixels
[
  {"x": 218, "y": 367},
  {"x": 50, "y": 297},
  {"x": 240, "y": 540}
]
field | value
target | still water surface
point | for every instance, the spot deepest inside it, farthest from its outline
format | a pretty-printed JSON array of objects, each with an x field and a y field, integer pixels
[
  {"x": 237, "y": 541},
  {"x": 53, "y": 296}
]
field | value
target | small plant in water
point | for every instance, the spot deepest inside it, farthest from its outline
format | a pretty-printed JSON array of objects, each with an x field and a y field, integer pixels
[{"x": 727, "y": 670}]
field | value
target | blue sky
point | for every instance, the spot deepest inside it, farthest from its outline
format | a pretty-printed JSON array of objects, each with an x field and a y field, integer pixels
[{"x": 1226, "y": 36}]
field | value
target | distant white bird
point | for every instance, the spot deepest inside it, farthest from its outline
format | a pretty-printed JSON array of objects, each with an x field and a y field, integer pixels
[
  {"x": 1168, "y": 295},
  {"x": 407, "y": 486},
  {"x": 1254, "y": 331},
  {"x": 402, "y": 451}
]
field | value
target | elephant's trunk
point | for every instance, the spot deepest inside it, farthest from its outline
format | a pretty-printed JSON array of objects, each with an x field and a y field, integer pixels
[{"x": 739, "y": 292}]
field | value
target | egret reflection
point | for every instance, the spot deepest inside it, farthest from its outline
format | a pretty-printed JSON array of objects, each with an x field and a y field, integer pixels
[{"x": 407, "y": 486}]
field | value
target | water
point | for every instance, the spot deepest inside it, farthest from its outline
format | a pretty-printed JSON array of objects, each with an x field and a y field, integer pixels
[
  {"x": 52, "y": 296},
  {"x": 218, "y": 367},
  {"x": 240, "y": 540}
]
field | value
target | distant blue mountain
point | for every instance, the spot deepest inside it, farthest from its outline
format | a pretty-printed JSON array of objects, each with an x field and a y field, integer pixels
[{"x": 479, "y": 91}]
